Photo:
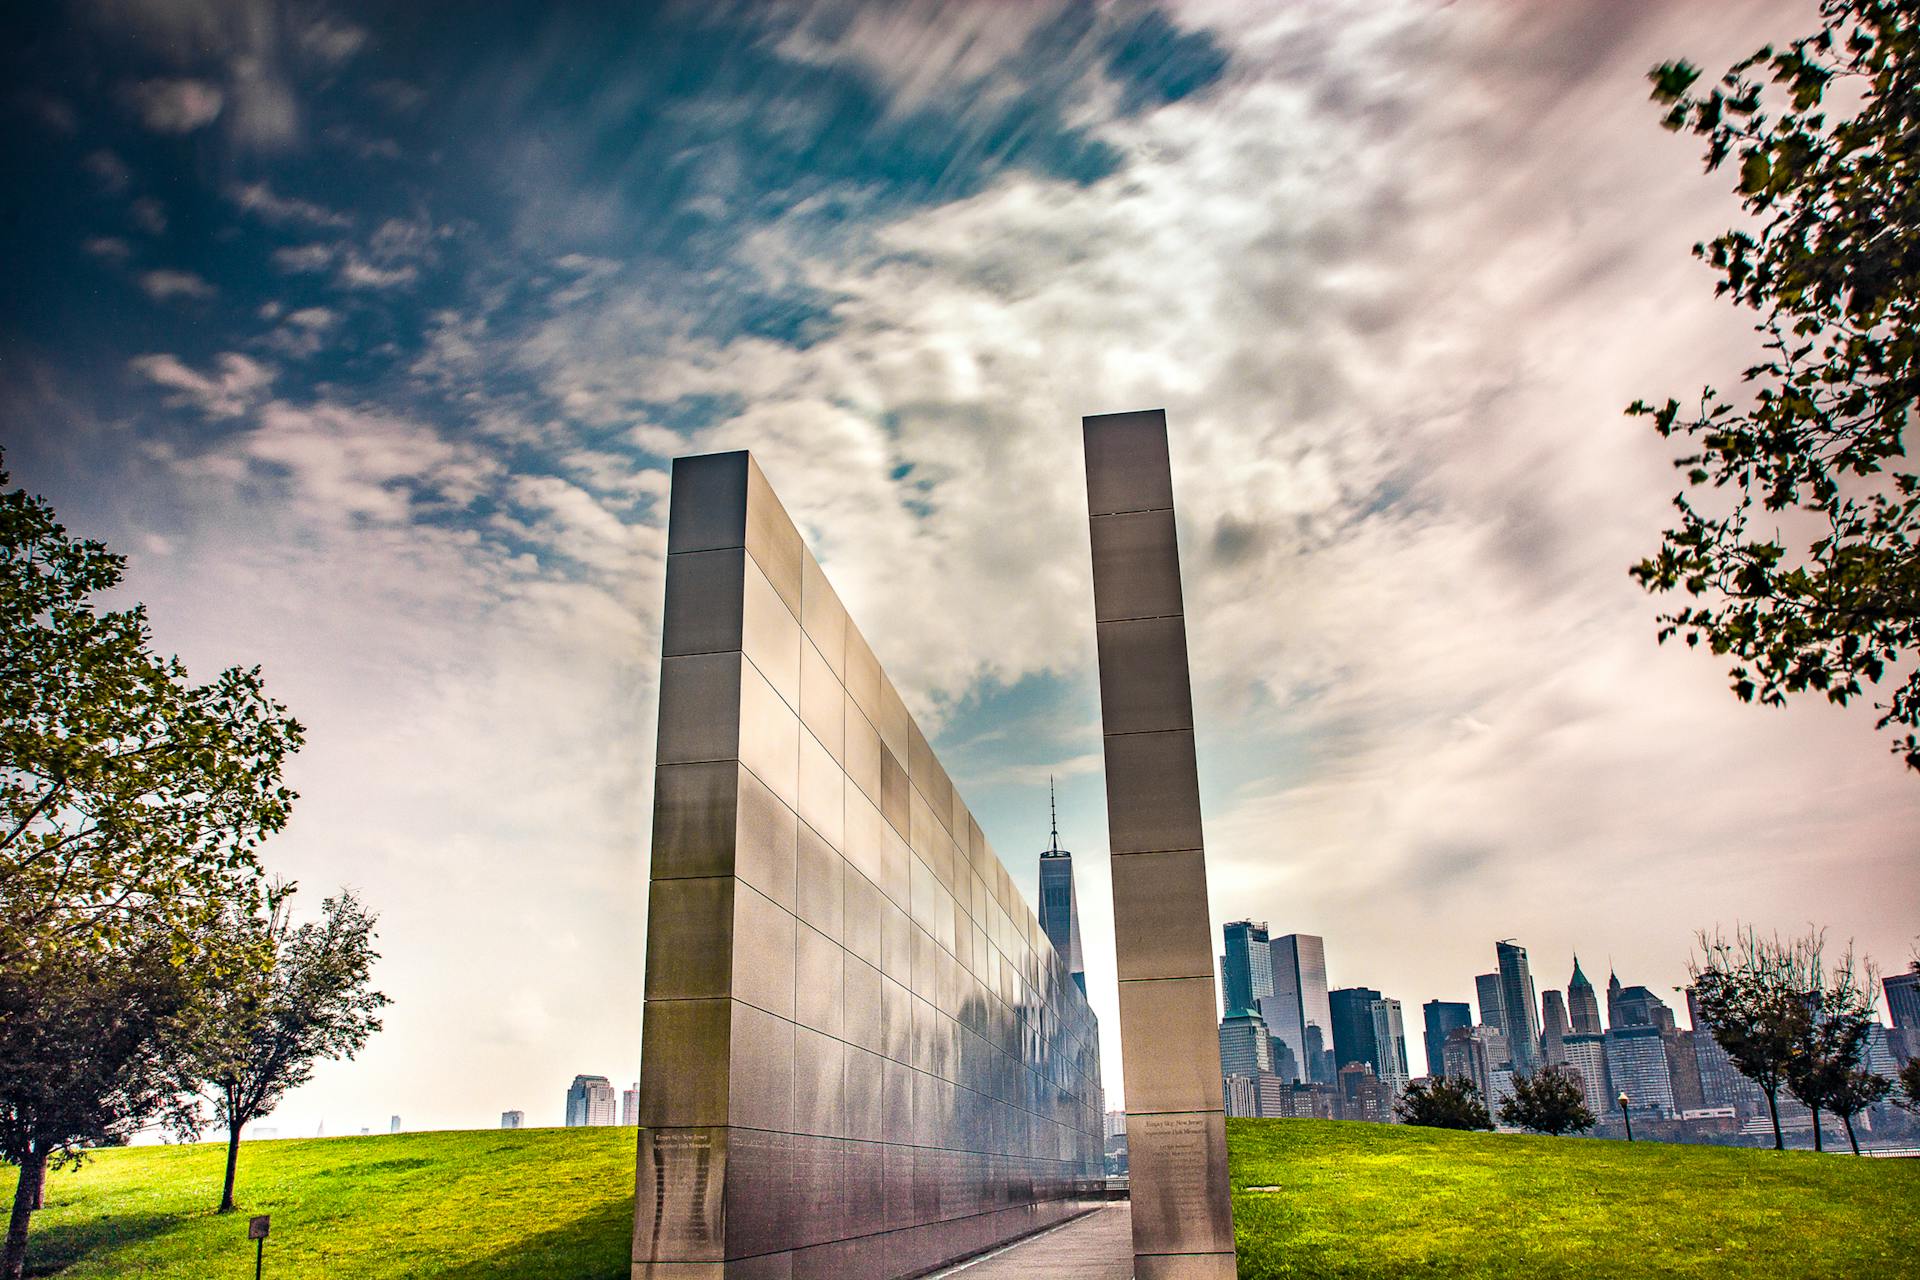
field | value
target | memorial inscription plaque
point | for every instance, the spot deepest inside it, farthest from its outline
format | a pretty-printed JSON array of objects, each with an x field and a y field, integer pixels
[
  {"x": 1176, "y": 1115},
  {"x": 861, "y": 1056}
]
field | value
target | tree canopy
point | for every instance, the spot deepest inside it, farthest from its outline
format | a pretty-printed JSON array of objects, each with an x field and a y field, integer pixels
[
  {"x": 1444, "y": 1102},
  {"x": 1795, "y": 545},
  {"x": 1548, "y": 1101}
]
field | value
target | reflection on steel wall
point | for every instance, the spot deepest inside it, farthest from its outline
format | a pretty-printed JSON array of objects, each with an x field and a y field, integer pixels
[
  {"x": 1176, "y": 1116},
  {"x": 861, "y": 1057}
]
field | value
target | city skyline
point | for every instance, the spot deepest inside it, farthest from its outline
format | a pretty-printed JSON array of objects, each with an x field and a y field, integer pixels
[{"x": 369, "y": 351}]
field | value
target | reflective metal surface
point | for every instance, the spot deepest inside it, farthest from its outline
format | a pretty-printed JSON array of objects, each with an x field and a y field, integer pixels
[
  {"x": 861, "y": 1057},
  {"x": 1182, "y": 1213}
]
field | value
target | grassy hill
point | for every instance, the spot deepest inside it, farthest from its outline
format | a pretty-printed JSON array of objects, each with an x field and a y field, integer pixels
[{"x": 1353, "y": 1200}]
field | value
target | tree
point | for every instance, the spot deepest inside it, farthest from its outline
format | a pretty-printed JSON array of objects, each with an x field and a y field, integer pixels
[
  {"x": 1549, "y": 1101},
  {"x": 1853, "y": 1093},
  {"x": 132, "y": 804},
  {"x": 128, "y": 794},
  {"x": 311, "y": 1002},
  {"x": 1753, "y": 995},
  {"x": 96, "y": 1046},
  {"x": 1796, "y": 547},
  {"x": 1831, "y": 1038},
  {"x": 1909, "y": 1085},
  {"x": 1444, "y": 1102}
]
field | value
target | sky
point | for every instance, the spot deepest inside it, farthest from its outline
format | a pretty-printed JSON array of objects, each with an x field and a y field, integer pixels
[{"x": 368, "y": 335}]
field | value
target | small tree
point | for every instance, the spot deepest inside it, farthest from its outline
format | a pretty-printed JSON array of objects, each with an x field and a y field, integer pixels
[
  {"x": 1444, "y": 1102},
  {"x": 1832, "y": 1036},
  {"x": 97, "y": 1046},
  {"x": 1549, "y": 1101},
  {"x": 1908, "y": 1081},
  {"x": 1753, "y": 995},
  {"x": 311, "y": 1002},
  {"x": 1853, "y": 1093}
]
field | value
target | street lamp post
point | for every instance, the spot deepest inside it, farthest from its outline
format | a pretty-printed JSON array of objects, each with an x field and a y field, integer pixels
[{"x": 1626, "y": 1114}]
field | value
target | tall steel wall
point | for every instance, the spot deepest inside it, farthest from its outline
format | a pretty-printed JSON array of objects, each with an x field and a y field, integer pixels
[{"x": 861, "y": 1056}]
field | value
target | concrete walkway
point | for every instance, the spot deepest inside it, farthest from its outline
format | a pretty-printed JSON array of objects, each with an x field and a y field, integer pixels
[{"x": 1097, "y": 1246}]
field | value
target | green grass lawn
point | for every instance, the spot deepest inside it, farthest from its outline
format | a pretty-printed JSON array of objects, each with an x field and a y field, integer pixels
[
  {"x": 1354, "y": 1200},
  {"x": 1387, "y": 1200}
]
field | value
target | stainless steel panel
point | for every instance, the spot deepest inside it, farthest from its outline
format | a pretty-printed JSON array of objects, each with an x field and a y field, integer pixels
[
  {"x": 679, "y": 1210},
  {"x": 1160, "y": 927},
  {"x": 1143, "y": 676},
  {"x": 770, "y": 634},
  {"x": 862, "y": 676},
  {"x": 819, "y": 1084},
  {"x": 1136, "y": 566},
  {"x": 862, "y": 920},
  {"x": 761, "y": 1064},
  {"x": 823, "y": 791},
  {"x": 766, "y": 834},
  {"x": 1170, "y": 1044},
  {"x": 821, "y": 612},
  {"x": 864, "y": 1021},
  {"x": 769, "y": 737},
  {"x": 894, "y": 858},
  {"x": 896, "y": 1015},
  {"x": 699, "y": 708},
  {"x": 1180, "y": 1201},
  {"x": 707, "y": 507},
  {"x": 862, "y": 1091},
  {"x": 762, "y": 952},
  {"x": 683, "y": 1063},
  {"x": 896, "y": 803},
  {"x": 1127, "y": 468},
  {"x": 1153, "y": 792},
  {"x": 772, "y": 540},
  {"x": 819, "y": 997},
  {"x": 693, "y": 819},
  {"x": 865, "y": 840},
  {"x": 760, "y": 1191},
  {"x": 703, "y": 611},
  {"x": 823, "y": 703},
  {"x": 862, "y": 753},
  {"x": 896, "y": 944},
  {"x": 892, "y": 720},
  {"x": 820, "y": 895},
  {"x": 1185, "y": 1266},
  {"x": 690, "y": 939}
]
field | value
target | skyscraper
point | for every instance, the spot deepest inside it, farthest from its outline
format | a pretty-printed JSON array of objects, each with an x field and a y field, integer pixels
[
  {"x": 630, "y": 1105},
  {"x": 1246, "y": 967},
  {"x": 1587, "y": 1055},
  {"x": 1903, "y": 999},
  {"x": 1518, "y": 1005},
  {"x": 1441, "y": 1017},
  {"x": 1353, "y": 1038},
  {"x": 1059, "y": 903},
  {"x": 1297, "y": 967},
  {"x": 1486, "y": 990},
  {"x": 1613, "y": 997},
  {"x": 1553, "y": 1028},
  {"x": 1390, "y": 1044},
  {"x": 1582, "y": 1007},
  {"x": 1244, "y": 1045},
  {"x": 513, "y": 1119},
  {"x": 1638, "y": 1007},
  {"x": 1637, "y": 1066},
  {"x": 589, "y": 1101}
]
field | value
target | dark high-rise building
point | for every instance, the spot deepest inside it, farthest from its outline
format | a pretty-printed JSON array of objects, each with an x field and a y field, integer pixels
[
  {"x": 1553, "y": 1028},
  {"x": 1613, "y": 998},
  {"x": 1245, "y": 1047},
  {"x": 1246, "y": 967},
  {"x": 1486, "y": 990},
  {"x": 1637, "y": 1064},
  {"x": 1903, "y": 999},
  {"x": 589, "y": 1101},
  {"x": 1683, "y": 1070},
  {"x": 1638, "y": 1007},
  {"x": 1441, "y": 1017},
  {"x": 1721, "y": 1083},
  {"x": 1059, "y": 904},
  {"x": 1519, "y": 1006},
  {"x": 1353, "y": 1038},
  {"x": 1297, "y": 967},
  {"x": 1320, "y": 1068},
  {"x": 1583, "y": 1009}
]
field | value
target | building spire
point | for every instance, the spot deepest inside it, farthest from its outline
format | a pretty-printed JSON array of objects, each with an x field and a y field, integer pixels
[{"x": 1053, "y": 814}]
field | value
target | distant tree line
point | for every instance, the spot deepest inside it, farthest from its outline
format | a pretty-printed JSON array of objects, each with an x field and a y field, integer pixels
[{"x": 147, "y": 965}]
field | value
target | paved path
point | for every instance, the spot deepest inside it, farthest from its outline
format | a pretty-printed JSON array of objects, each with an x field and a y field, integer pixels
[{"x": 1097, "y": 1246}]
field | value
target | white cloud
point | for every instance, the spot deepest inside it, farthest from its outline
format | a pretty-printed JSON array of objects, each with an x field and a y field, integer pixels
[
  {"x": 164, "y": 285},
  {"x": 306, "y": 258},
  {"x": 107, "y": 248},
  {"x": 234, "y": 386},
  {"x": 174, "y": 105},
  {"x": 332, "y": 42},
  {"x": 358, "y": 273},
  {"x": 314, "y": 318},
  {"x": 149, "y": 215},
  {"x": 260, "y": 200}
]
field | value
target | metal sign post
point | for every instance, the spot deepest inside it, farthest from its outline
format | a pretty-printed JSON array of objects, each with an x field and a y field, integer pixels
[{"x": 257, "y": 1227}]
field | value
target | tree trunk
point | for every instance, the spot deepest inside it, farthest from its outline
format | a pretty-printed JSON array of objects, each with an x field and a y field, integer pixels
[
  {"x": 1773, "y": 1113},
  {"x": 233, "y": 1163},
  {"x": 40, "y": 1185},
  {"x": 1852, "y": 1141},
  {"x": 26, "y": 1193}
]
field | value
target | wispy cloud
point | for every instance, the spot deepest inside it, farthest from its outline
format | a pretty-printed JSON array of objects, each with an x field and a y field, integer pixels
[
  {"x": 260, "y": 200},
  {"x": 165, "y": 285},
  {"x": 236, "y": 383},
  {"x": 174, "y": 105}
]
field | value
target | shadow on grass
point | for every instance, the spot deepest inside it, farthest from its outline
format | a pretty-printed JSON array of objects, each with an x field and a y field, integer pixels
[
  {"x": 57, "y": 1246},
  {"x": 595, "y": 1246}
]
